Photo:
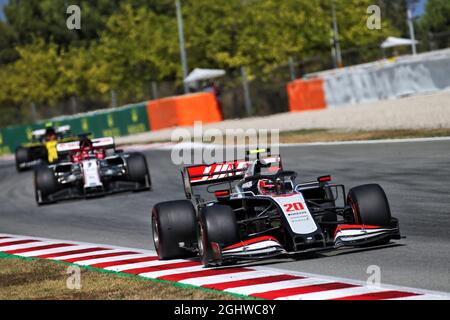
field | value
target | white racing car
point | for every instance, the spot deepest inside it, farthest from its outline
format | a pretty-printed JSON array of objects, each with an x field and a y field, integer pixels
[
  {"x": 260, "y": 212},
  {"x": 89, "y": 168}
]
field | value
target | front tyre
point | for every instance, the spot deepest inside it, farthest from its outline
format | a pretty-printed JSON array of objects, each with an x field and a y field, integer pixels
[
  {"x": 173, "y": 222},
  {"x": 45, "y": 184},
  {"x": 370, "y": 205},
  {"x": 21, "y": 156},
  {"x": 138, "y": 171},
  {"x": 217, "y": 224}
]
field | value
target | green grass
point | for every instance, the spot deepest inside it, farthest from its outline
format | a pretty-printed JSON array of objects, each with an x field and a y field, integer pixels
[{"x": 28, "y": 278}]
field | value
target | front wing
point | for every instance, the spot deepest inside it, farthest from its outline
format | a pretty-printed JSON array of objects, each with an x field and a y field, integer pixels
[
  {"x": 75, "y": 192},
  {"x": 269, "y": 247},
  {"x": 30, "y": 164}
]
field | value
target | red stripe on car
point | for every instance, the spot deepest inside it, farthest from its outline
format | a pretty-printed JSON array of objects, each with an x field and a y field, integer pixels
[
  {"x": 247, "y": 242},
  {"x": 358, "y": 226},
  {"x": 355, "y": 227}
]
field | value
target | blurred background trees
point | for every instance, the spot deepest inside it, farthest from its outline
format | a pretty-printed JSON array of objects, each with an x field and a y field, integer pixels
[
  {"x": 127, "y": 47},
  {"x": 435, "y": 24}
]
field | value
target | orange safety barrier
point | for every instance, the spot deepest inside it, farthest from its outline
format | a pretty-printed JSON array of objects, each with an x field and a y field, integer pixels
[
  {"x": 183, "y": 110},
  {"x": 306, "y": 95}
]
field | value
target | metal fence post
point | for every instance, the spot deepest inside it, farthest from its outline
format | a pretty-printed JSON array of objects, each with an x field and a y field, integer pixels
[
  {"x": 113, "y": 99},
  {"x": 248, "y": 101},
  {"x": 73, "y": 100},
  {"x": 292, "y": 69},
  {"x": 154, "y": 90},
  {"x": 182, "y": 47},
  {"x": 411, "y": 31},
  {"x": 33, "y": 111},
  {"x": 336, "y": 44}
]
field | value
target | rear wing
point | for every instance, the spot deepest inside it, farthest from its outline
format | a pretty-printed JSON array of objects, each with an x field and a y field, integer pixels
[
  {"x": 227, "y": 171},
  {"x": 63, "y": 129},
  {"x": 74, "y": 146},
  {"x": 39, "y": 133},
  {"x": 198, "y": 175},
  {"x": 105, "y": 143}
]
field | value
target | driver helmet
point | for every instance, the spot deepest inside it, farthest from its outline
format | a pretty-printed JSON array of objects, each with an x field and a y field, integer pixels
[
  {"x": 85, "y": 143},
  {"x": 265, "y": 186},
  {"x": 100, "y": 154},
  {"x": 50, "y": 134},
  {"x": 86, "y": 149}
]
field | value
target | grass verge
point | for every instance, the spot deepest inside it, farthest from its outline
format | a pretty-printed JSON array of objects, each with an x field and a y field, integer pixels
[
  {"x": 27, "y": 278},
  {"x": 324, "y": 135}
]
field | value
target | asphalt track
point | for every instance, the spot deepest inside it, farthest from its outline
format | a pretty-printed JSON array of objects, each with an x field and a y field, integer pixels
[{"x": 415, "y": 176}]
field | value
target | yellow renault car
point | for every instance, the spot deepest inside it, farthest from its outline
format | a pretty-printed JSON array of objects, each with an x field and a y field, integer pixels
[{"x": 42, "y": 148}]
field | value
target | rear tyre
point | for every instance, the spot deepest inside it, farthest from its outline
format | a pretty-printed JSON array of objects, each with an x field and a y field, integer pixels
[
  {"x": 217, "y": 224},
  {"x": 45, "y": 184},
  {"x": 138, "y": 171},
  {"x": 370, "y": 205},
  {"x": 173, "y": 222},
  {"x": 21, "y": 156}
]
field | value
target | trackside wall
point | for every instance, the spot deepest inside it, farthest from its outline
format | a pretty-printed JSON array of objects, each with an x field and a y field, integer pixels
[
  {"x": 126, "y": 120},
  {"x": 381, "y": 80}
]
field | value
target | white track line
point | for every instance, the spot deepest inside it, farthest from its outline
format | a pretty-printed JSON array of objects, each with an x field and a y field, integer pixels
[
  {"x": 192, "y": 145},
  {"x": 379, "y": 141},
  {"x": 171, "y": 145}
]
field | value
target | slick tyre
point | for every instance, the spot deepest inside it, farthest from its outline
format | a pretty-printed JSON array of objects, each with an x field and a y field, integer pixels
[
  {"x": 217, "y": 224},
  {"x": 370, "y": 205},
  {"x": 172, "y": 223},
  {"x": 138, "y": 171},
  {"x": 45, "y": 184},
  {"x": 21, "y": 156}
]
